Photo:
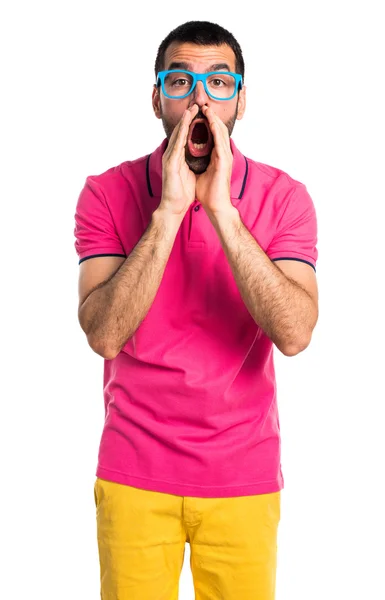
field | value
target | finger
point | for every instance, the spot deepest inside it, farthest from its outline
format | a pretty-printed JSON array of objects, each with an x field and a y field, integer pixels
[
  {"x": 174, "y": 136},
  {"x": 213, "y": 119},
  {"x": 184, "y": 128},
  {"x": 220, "y": 132},
  {"x": 217, "y": 132},
  {"x": 172, "y": 140},
  {"x": 182, "y": 132},
  {"x": 221, "y": 125}
]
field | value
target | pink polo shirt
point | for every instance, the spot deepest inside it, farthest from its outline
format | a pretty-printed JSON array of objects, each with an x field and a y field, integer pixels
[{"x": 190, "y": 401}]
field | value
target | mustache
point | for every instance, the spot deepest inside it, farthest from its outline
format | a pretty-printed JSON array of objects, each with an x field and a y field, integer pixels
[{"x": 200, "y": 115}]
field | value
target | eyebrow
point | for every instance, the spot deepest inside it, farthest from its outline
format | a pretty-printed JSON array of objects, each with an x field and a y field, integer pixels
[{"x": 186, "y": 67}]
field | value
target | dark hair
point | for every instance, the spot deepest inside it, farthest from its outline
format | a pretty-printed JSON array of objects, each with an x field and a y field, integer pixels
[{"x": 203, "y": 33}]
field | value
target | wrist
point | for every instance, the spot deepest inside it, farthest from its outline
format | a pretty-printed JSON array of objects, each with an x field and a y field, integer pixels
[
  {"x": 166, "y": 217},
  {"x": 229, "y": 213}
]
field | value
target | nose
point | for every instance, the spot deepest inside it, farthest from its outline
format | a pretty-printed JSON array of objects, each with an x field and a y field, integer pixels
[{"x": 199, "y": 95}]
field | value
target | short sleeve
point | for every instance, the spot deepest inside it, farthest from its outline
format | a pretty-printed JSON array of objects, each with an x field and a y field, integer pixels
[
  {"x": 95, "y": 233},
  {"x": 296, "y": 235}
]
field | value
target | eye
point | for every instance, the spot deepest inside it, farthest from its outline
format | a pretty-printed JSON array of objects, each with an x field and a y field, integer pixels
[
  {"x": 176, "y": 82},
  {"x": 216, "y": 82}
]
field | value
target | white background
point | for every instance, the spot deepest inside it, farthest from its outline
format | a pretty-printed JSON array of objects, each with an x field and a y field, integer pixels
[{"x": 76, "y": 100}]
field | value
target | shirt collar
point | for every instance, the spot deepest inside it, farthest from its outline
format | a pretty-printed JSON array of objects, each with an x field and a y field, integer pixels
[{"x": 154, "y": 171}]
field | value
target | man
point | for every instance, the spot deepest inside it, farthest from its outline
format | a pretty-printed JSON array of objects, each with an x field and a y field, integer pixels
[{"x": 202, "y": 260}]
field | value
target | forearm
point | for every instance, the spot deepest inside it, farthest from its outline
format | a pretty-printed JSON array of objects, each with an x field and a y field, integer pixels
[
  {"x": 283, "y": 309},
  {"x": 112, "y": 313}
]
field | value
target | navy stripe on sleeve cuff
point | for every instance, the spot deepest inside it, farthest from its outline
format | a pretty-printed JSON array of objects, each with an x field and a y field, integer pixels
[
  {"x": 299, "y": 260},
  {"x": 95, "y": 255}
]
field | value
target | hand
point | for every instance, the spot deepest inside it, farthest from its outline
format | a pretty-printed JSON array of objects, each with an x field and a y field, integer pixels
[
  {"x": 178, "y": 181},
  {"x": 213, "y": 186}
]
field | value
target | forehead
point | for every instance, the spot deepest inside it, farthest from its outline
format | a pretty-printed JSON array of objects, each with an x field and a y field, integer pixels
[{"x": 199, "y": 58}]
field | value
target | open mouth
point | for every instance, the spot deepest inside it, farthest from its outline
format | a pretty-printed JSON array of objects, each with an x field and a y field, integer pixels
[{"x": 200, "y": 139}]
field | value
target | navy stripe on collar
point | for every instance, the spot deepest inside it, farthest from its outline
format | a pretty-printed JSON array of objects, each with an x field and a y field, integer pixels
[
  {"x": 148, "y": 176},
  {"x": 244, "y": 179}
]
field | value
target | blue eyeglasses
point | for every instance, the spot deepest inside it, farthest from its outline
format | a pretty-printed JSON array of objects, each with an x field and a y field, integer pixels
[{"x": 219, "y": 85}]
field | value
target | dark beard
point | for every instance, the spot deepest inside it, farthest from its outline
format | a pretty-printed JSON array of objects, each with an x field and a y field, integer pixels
[{"x": 198, "y": 164}]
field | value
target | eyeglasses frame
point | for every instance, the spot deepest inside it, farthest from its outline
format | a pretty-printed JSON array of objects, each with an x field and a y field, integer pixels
[{"x": 199, "y": 77}]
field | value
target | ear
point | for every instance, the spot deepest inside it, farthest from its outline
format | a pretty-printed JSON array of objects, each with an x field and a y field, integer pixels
[
  {"x": 242, "y": 102},
  {"x": 156, "y": 102}
]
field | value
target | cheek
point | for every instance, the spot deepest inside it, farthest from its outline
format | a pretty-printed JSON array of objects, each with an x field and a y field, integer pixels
[
  {"x": 171, "y": 112},
  {"x": 226, "y": 112}
]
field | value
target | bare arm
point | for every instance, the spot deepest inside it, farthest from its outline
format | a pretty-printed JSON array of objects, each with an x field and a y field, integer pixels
[
  {"x": 115, "y": 295},
  {"x": 282, "y": 299},
  {"x": 113, "y": 311}
]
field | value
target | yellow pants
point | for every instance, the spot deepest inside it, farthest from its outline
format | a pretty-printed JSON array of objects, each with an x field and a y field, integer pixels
[{"x": 142, "y": 535}]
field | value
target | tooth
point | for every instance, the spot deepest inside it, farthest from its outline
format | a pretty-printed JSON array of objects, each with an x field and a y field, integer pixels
[{"x": 199, "y": 146}]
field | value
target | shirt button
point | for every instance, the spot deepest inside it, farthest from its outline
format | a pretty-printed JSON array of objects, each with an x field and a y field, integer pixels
[{"x": 196, "y": 208}]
